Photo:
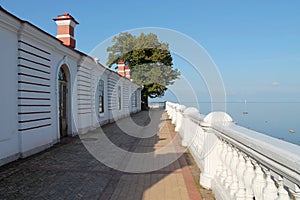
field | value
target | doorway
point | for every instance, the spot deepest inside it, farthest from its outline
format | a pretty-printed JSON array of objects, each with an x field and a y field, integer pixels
[{"x": 63, "y": 101}]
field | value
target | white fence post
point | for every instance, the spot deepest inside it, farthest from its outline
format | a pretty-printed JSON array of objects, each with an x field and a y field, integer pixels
[
  {"x": 189, "y": 127},
  {"x": 211, "y": 157},
  {"x": 179, "y": 121}
]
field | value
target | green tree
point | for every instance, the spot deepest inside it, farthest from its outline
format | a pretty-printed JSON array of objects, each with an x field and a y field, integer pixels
[{"x": 149, "y": 59}]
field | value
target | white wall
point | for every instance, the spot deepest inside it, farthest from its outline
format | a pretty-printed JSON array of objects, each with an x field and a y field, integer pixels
[
  {"x": 31, "y": 62},
  {"x": 9, "y": 145},
  {"x": 35, "y": 95}
]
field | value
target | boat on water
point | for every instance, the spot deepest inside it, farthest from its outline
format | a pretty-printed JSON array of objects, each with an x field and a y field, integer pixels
[
  {"x": 245, "y": 112},
  {"x": 292, "y": 131}
]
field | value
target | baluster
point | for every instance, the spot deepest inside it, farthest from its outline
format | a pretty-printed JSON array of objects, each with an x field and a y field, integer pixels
[
  {"x": 241, "y": 173},
  {"x": 249, "y": 177},
  {"x": 282, "y": 193},
  {"x": 270, "y": 191},
  {"x": 183, "y": 127},
  {"x": 172, "y": 112},
  {"x": 178, "y": 122},
  {"x": 233, "y": 166},
  {"x": 174, "y": 115},
  {"x": 167, "y": 107},
  {"x": 220, "y": 167},
  {"x": 228, "y": 179},
  {"x": 259, "y": 182},
  {"x": 296, "y": 193},
  {"x": 223, "y": 159},
  {"x": 187, "y": 127},
  {"x": 196, "y": 143},
  {"x": 200, "y": 134}
]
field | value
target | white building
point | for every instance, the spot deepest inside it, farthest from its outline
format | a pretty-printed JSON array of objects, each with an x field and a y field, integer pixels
[{"x": 50, "y": 90}]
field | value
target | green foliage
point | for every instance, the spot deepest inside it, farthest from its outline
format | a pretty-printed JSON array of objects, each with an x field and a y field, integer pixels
[
  {"x": 150, "y": 61},
  {"x": 155, "y": 77}
]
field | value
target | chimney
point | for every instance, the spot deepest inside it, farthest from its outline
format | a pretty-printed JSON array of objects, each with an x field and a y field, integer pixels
[
  {"x": 127, "y": 72},
  {"x": 65, "y": 29},
  {"x": 121, "y": 68}
]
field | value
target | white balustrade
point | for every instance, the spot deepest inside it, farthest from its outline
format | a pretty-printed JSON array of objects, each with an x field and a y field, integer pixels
[
  {"x": 174, "y": 116},
  {"x": 235, "y": 162},
  {"x": 223, "y": 160},
  {"x": 233, "y": 188},
  {"x": 179, "y": 116},
  {"x": 228, "y": 179},
  {"x": 270, "y": 191},
  {"x": 189, "y": 127},
  {"x": 248, "y": 179},
  {"x": 295, "y": 191},
  {"x": 240, "y": 172},
  {"x": 220, "y": 164},
  {"x": 259, "y": 181},
  {"x": 282, "y": 193}
]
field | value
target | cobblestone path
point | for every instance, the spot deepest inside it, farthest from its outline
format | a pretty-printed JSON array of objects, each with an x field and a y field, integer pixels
[{"x": 69, "y": 171}]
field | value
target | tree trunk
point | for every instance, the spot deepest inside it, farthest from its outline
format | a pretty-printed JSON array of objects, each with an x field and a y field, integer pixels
[{"x": 144, "y": 102}]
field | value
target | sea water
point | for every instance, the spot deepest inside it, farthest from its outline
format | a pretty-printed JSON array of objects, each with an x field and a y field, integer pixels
[{"x": 275, "y": 119}]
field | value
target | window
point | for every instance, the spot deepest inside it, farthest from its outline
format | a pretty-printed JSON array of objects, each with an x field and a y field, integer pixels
[
  {"x": 134, "y": 99},
  {"x": 101, "y": 95},
  {"x": 62, "y": 75},
  {"x": 120, "y": 98}
]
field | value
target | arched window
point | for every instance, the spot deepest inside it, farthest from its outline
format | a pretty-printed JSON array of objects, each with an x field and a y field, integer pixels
[
  {"x": 101, "y": 95},
  {"x": 62, "y": 75},
  {"x": 63, "y": 100}
]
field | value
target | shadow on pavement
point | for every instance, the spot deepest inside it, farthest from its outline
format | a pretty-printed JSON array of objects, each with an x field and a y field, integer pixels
[{"x": 69, "y": 171}]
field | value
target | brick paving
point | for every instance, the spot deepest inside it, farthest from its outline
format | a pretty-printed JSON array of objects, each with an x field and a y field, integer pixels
[{"x": 69, "y": 171}]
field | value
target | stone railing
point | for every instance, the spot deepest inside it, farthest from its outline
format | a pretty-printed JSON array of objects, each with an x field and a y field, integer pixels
[
  {"x": 157, "y": 105},
  {"x": 235, "y": 162}
]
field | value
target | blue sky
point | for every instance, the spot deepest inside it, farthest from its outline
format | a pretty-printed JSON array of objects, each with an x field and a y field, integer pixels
[{"x": 255, "y": 44}]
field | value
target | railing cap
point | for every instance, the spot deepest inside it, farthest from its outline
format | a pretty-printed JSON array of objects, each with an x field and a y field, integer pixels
[
  {"x": 216, "y": 117},
  {"x": 190, "y": 110},
  {"x": 180, "y": 108}
]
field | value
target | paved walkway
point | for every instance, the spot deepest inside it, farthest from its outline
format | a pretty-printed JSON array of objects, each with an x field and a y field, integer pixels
[{"x": 69, "y": 171}]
